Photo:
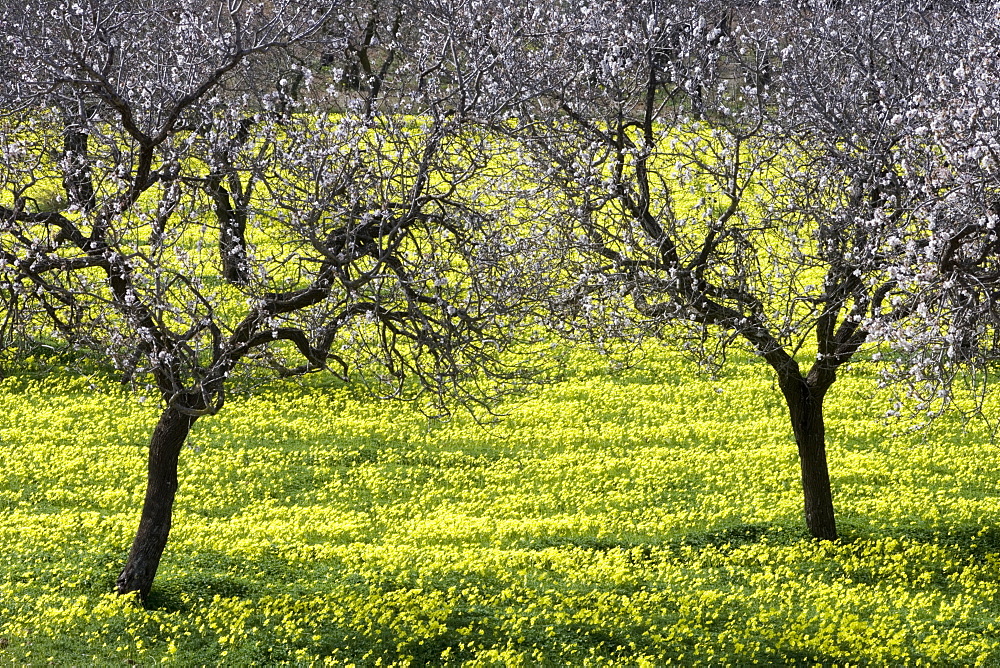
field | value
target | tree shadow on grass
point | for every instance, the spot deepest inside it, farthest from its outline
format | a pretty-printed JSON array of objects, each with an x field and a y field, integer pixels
[
  {"x": 170, "y": 596},
  {"x": 731, "y": 537},
  {"x": 213, "y": 574},
  {"x": 973, "y": 542}
]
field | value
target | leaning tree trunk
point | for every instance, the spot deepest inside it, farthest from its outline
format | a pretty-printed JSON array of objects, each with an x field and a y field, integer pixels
[
  {"x": 161, "y": 486},
  {"x": 805, "y": 407}
]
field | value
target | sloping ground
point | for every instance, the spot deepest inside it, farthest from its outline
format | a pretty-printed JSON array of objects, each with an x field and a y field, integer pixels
[{"x": 645, "y": 517}]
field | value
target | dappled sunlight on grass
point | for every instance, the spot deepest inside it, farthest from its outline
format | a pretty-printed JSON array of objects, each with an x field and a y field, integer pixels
[{"x": 645, "y": 517}]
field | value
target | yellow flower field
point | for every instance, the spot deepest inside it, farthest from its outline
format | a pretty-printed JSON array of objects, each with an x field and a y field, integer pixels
[{"x": 645, "y": 517}]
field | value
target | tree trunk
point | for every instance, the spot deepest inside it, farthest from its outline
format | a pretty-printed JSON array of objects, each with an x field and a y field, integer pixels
[
  {"x": 76, "y": 175},
  {"x": 161, "y": 486},
  {"x": 805, "y": 407},
  {"x": 232, "y": 232}
]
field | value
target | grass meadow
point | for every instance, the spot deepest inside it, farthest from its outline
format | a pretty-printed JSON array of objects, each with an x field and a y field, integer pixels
[{"x": 650, "y": 516}]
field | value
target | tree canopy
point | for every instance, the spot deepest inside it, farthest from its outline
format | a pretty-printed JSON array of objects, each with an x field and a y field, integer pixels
[
  {"x": 215, "y": 223},
  {"x": 214, "y": 193}
]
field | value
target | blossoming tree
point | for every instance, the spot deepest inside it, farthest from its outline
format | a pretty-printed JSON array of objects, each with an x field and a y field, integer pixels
[
  {"x": 225, "y": 212},
  {"x": 759, "y": 175}
]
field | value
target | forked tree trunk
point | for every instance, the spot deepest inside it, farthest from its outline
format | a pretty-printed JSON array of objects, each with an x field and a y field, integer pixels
[
  {"x": 161, "y": 487},
  {"x": 805, "y": 407}
]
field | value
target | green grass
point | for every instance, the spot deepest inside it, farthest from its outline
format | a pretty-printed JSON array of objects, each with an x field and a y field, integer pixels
[{"x": 639, "y": 518}]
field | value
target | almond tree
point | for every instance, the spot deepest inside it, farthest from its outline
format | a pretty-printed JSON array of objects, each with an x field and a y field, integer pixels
[
  {"x": 747, "y": 175},
  {"x": 362, "y": 247},
  {"x": 950, "y": 276}
]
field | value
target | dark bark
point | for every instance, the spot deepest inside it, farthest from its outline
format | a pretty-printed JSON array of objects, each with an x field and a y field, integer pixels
[
  {"x": 77, "y": 178},
  {"x": 232, "y": 232},
  {"x": 161, "y": 487},
  {"x": 805, "y": 407}
]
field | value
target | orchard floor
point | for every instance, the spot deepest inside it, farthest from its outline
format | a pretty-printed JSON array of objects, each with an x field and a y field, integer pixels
[{"x": 645, "y": 517}]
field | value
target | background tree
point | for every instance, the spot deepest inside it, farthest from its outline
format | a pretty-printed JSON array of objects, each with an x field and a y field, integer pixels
[
  {"x": 949, "y": 276},
  {"x": 364, "y": 249},
  {"x": 746, "y": 175}
]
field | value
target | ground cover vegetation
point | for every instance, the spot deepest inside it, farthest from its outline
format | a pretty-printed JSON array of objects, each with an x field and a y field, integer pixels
[
  {"x": 598, "y": 523},
  {"x": 771, "y": 175},
  {"x": 198, "y": 198},
  {"x": 359, "y": 231}
]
